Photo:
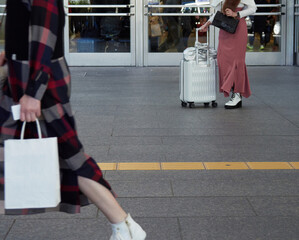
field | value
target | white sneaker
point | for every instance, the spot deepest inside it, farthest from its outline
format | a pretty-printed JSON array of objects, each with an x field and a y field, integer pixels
[
  {"x": 127, "y": 230},
  {"x": 234, "y": 102}
]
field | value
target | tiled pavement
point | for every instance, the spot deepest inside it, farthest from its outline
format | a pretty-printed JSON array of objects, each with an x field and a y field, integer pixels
[{"x": 127, "y": 115}]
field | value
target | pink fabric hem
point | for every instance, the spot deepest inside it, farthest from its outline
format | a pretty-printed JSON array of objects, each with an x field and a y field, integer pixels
[
  {"x": 236, "y": 77},
  {"x": 231, "y": 61}
]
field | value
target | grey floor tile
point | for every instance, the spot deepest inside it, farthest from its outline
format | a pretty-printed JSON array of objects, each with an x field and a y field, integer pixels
[
  {"x": 261, "y": 176},
  {"x": 160, "y": 228},
  {"x": 56, "y": 229},
  {"x": 86, "y": 212},
  {"x": 244, "y": 228},
  {"x": 142, "y": 188},
  {"x": 123, "y": 141},
  {"x": 151, "y": 175},
  {"x": 96, "y": 140},
  {"x": 5, "y": 226},
  {"x": 205, "y": 156},
  {"x": 92, "y": 110},
  {"x": 135, "y": 157},
  {"x": 90, "y": 130},
  {"x": 137, "y": 149},
  {"x": 276, "y": 206},
  {"x": 235, "y": 187},
  {"x": 99, "y": 153},
  {"x": 187, "y": 206}
]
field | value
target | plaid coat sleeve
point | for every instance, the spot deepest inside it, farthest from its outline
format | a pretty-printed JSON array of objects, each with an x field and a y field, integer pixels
[{"x": 43, "y": 31}]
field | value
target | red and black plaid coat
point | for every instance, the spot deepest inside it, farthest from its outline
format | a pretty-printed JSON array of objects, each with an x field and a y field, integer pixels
[{"x": 37, "y": 67}]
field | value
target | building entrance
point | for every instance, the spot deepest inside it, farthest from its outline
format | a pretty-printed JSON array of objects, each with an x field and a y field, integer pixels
[{"x": 155, "y": 32}]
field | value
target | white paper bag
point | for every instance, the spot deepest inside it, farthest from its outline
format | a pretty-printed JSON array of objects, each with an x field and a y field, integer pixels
[{"x": 31, "y": 172}]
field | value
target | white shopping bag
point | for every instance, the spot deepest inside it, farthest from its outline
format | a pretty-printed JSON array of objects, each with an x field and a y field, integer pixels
[{"x": 31, "y": 172}]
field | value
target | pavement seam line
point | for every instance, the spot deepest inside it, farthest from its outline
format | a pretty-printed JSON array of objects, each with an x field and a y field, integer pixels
[
  {"x": 180, "y": 228},
  {"x": 6, "y": 235},
  {"x": 160, "y": 165},
  {"x": 251, "y": 205}
]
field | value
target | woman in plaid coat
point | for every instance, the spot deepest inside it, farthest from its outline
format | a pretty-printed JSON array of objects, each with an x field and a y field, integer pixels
[{"x": 39, "y": 80}]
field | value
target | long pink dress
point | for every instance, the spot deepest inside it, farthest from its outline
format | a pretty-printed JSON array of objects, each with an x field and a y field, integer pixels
[{"x": 231, "y": 61}]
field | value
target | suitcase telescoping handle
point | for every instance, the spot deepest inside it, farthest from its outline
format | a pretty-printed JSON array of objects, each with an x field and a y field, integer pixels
[{"x": 197, "y": 44}]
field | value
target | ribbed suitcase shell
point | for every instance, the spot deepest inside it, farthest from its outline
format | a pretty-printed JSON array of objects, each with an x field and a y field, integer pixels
[{"x": 198, "y": 81}]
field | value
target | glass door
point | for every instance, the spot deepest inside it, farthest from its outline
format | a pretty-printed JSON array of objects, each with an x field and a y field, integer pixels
[
  {"x": 2, "y": 28},
  {"x": 267, "y": 34},
  {"x": 100, "y": 32},
  {"x": 297, "y": 32},
  {"x": 169, "y": 28}
]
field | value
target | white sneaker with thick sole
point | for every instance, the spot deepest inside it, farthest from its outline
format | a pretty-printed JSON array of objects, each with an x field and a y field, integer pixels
[
  {"x": 127, "y": 230},
  {"x": 234, "y": 102}
]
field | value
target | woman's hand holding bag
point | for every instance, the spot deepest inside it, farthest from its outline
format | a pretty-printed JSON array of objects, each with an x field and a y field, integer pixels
[{"x": 31, "y": 166}]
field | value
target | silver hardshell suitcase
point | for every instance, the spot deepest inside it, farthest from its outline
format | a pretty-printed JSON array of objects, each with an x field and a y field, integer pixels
[{"x": 198, "y": 75}]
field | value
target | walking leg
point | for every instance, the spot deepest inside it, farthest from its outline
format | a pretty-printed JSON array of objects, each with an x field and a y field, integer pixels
[
  {"x": 103, "y": 199},
  {"x": 123, "y": 226}
]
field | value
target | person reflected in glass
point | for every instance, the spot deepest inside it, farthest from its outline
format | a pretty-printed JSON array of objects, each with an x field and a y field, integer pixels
[
  {"x": 233, "y": 75},
  {"x": 173, "y": 29},
  {"x": 188, "y": 25},
  {"x": 155, "y": 33},
  {"x": 39, "y": 80},
  {"x": 259, "y": 27}
]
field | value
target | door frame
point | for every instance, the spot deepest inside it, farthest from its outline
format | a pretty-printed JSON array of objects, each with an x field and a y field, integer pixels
[
  {"x": 272, "y": 58},
  {"x": 100, "y": 58},
  {"x": 168, "y": 58}
]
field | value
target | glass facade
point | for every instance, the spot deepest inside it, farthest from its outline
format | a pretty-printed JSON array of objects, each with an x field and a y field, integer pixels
[
  {"x": 147, "y": 32},
  {"x": 97, "y": 28},
  {"x": 297, "y": 31},
  {"x": 174, "y": 33},
  {"x": 264, "y": 31},
  {"x": 2, "y": 16}
]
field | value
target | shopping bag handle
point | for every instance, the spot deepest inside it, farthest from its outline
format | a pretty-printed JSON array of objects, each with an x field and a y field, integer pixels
[{"x": 37, "y": 126}]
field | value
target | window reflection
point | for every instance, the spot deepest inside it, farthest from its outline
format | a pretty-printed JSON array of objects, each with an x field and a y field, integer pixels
[
  {"x": 2, "y": 31},
  {"x": 174, "y": 33},
  {"x": 297, "y": 32},
  {"x": 99, "y": 33},
  {"x": 264, "y": 32}
]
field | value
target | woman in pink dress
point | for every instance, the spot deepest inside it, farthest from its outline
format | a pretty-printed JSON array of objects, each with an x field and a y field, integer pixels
[{"x": 232, "y": 50}]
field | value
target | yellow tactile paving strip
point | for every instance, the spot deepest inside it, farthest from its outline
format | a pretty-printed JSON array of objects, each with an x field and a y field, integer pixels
[
  {"x": 156, "y": 166},
  {"x": 182, "y": 166},
  {"x": 295, "y": 165},
  {"x": 225, "y": 165}
]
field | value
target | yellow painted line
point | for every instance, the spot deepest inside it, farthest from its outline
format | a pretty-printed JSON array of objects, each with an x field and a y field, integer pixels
[
  {"x": 295, "y": 165},
  {"x": 139, "y": 166},
  {"x": 226, "y": 165},
  {"x": 153, "y": 166},
  {"x": 182, "y": 166},
  {"x": 107, "y": 166},
  {"x": 269, "y": 165}
]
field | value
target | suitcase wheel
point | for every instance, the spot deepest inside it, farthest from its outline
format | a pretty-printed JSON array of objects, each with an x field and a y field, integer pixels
[
  {"x": 214, "y": 104},
  {"x": 191, "y": 105},
  {"x": 206, "y": 104},
  {"x": 183, "y": 104}
]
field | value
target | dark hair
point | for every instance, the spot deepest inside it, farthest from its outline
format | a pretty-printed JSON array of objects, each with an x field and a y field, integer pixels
[{"x": 232, "y": 4}]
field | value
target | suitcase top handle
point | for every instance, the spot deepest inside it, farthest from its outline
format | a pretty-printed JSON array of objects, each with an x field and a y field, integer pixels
[
  {"x": 37, "y": 126},
  {"x": 197, "y": 44}
]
